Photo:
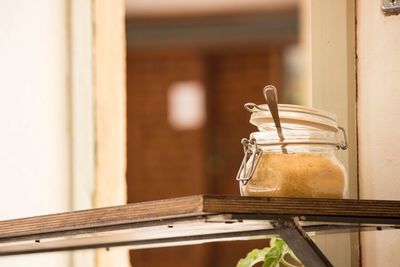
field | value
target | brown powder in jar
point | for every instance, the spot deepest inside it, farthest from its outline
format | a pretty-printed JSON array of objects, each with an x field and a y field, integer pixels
[{"x": 296, "y": 175}]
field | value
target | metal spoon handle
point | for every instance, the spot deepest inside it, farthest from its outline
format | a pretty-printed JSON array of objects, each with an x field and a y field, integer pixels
[{"x": 270, "y": 95}]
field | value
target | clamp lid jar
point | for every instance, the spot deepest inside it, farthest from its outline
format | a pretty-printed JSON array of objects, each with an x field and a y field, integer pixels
[{"x": 308, "y": 168}]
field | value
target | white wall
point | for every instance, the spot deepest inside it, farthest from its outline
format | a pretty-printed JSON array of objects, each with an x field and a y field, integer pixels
[
  {"x": 34, "y": 116},
  {"x": 378, "y": 39}
]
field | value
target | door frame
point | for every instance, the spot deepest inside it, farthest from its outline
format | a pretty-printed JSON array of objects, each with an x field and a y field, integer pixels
[{"x": 328, "y": 32}]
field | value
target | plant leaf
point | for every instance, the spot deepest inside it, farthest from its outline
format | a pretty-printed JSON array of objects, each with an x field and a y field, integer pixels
[
  {"x": 278, "y": 242},
  {"x": 273, "y": 257},
  {"x": 288, "y": 264},
  {"x": 253, "y": 257}
]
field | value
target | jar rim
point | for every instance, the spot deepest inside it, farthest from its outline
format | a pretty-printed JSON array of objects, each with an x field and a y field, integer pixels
[
  {"x": 294, "y": 115},
  {"x": 298, "y": 137}
]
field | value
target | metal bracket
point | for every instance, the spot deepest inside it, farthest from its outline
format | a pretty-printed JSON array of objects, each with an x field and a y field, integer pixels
[
  {"x": 303, "y": 247},
  {"x": 391, "y": 7}
]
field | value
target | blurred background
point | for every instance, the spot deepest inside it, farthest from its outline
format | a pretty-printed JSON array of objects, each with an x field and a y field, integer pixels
[
  {"x": 191, "y": 66},
  {"x": 111, "y": 102}
]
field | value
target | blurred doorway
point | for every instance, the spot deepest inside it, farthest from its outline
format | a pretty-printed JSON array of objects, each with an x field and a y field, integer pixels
[{"x": 187, "y": 80}]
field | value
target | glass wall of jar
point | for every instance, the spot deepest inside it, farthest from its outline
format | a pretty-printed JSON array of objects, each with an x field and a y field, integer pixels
[{"x": 304, "y": 164}]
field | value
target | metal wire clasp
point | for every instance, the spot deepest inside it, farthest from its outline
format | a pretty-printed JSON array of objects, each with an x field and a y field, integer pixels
[
  {"x": 251, "y": 107},
  {"x": 252, "y": 154},
  {"x": 343, "y": 144}
]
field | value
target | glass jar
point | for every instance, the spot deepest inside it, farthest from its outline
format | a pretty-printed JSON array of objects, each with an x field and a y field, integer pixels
[{"x": 304, "y": 164}]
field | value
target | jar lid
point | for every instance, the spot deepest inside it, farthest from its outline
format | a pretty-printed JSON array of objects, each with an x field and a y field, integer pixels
[{"x": 292, "y": 115}]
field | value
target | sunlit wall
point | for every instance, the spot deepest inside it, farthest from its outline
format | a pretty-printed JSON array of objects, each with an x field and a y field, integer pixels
[{"x": 34, "y": 135}]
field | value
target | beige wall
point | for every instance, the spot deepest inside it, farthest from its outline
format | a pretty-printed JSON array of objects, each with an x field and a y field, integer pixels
[
  {"x": 34, "y": 116},
  {"x": 378, "y": 39}
]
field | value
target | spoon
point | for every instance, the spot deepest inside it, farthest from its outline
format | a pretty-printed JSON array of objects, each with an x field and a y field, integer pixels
[{"x": 270, "y": 95}]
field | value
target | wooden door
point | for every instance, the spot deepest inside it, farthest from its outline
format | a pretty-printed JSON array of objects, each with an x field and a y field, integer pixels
[{"x": 165, "y": 162}]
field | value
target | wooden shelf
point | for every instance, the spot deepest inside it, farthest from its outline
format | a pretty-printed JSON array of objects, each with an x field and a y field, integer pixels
[{"x": 192, "y": 220}]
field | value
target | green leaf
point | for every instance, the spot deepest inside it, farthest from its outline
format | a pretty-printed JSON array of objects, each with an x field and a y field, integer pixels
[
  {"x": 273, "y": 257},
  {"x": 253, "y": 257},
  {"x": 278, "y": 242},
  {"x": 287, "y": 264}
]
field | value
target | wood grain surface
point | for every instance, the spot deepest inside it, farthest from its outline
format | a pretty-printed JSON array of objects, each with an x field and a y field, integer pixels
[
  {"x": 197, "y": 205},
  {"x": 303, "y": 206},
  {"x": 190, "y": 220},
  {"x": 97, "y": 218}
]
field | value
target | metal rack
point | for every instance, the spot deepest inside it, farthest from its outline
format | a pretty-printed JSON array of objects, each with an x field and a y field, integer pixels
[{"x": 199, "y": 219}]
